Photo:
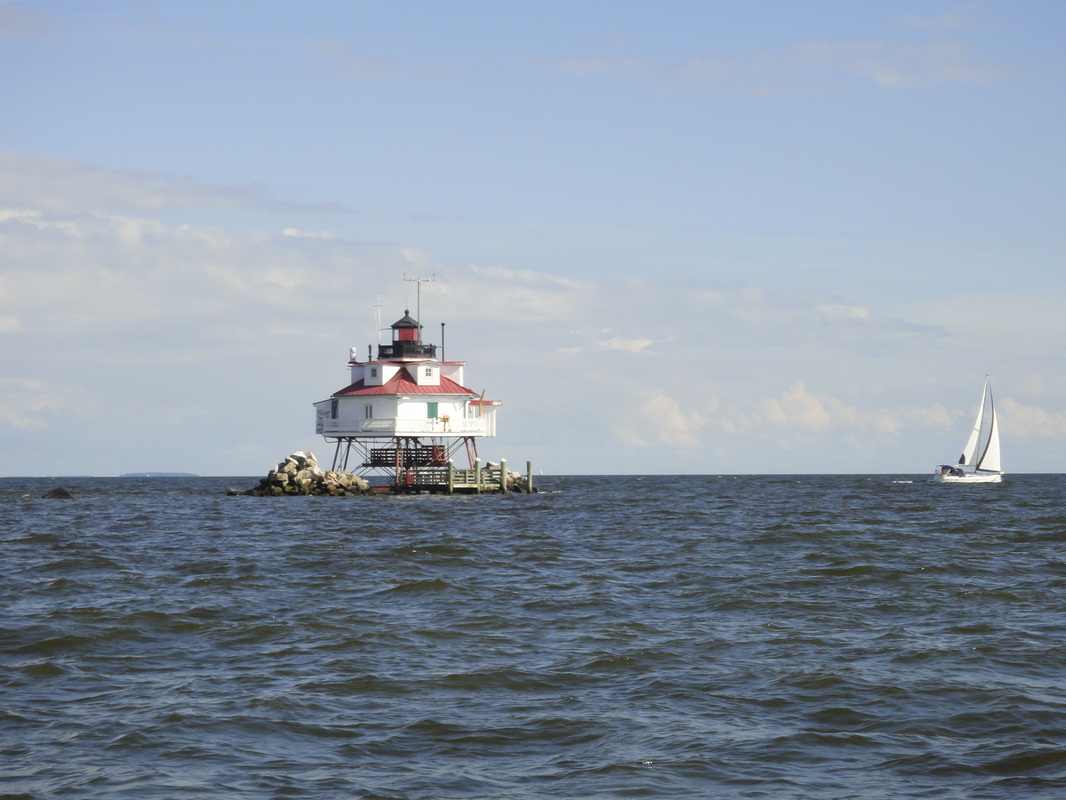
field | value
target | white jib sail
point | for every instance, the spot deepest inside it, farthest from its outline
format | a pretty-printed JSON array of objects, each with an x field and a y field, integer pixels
[{"x": 990, "y": 458}]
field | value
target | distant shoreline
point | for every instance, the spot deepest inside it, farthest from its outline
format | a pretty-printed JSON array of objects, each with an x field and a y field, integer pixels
[{"x": 159, "y": 475}]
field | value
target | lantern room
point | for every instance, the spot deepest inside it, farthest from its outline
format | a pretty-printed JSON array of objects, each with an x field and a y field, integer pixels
[{"x": 406, "y": 341}]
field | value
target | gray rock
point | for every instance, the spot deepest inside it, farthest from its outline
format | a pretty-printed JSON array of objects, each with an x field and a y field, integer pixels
[{"x": 299, "y": 474}]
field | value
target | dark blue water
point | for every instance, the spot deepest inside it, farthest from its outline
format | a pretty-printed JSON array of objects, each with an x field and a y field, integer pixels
[{"x": 728, "y": 637}]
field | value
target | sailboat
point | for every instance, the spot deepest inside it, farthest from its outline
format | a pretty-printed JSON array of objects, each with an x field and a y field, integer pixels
[{"x": 980, "y": 459}]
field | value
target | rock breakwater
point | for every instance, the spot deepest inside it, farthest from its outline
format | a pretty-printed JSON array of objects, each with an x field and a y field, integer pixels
[{"x": 299, "y": 474}]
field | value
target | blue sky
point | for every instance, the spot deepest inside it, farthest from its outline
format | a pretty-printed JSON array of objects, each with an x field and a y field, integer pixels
[{"x": 716, "y": 237}]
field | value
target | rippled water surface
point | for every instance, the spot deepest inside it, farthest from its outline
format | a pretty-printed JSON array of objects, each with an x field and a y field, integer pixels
[{"x": 762, "y": 637}]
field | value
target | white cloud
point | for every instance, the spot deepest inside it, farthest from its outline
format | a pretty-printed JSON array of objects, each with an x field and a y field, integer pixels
[
  {"x": 1018, "y": 315},
  {"x": 307, "y": 234},
  {"x": 842, "y": 311},
  {"x": 1021, "y": 421},
  {"x": 518, "y": 296},
  {"x": 527, "y": 277},
  {"x": 589, "y": 340},
  {"x": 97, "y": 274},
  {"x": 788, "y": 419},
  {"x": 662, "y": 421},
  {"x": 29, "y": 403},
  {"x": 897, "y": 65},
  {"x": 64, "y": 186},
  {"x": 633, "y": 346},
  {"x": 805, "y": 66}
]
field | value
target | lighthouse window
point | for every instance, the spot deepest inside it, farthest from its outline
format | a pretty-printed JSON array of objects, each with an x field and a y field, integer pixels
[
  {"x": 333, "y": 408},
  {"x": 368, "y": 411},
  {"x": 373, "y": 372},
  {"x": 429, "y": 372}
]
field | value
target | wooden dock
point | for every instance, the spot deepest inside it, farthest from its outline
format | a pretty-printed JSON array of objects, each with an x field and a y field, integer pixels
[{"x": 479, "y": 479}]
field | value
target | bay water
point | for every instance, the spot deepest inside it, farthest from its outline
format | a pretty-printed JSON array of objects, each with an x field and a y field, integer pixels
[{"x": 861, "y": 636}]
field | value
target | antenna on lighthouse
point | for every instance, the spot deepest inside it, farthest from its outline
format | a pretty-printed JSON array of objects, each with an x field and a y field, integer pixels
[
  {"x": 377, "y": 309},
  {"x": 418, "y": 297}
]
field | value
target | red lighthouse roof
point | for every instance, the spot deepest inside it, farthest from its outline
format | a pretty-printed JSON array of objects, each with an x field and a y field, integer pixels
[{"x": 401, "y": 383}]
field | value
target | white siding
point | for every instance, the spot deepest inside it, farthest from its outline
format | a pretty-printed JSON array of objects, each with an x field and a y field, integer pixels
[
  {"x": 425, "y": 374},
  {"x": 453, "y": 371}
]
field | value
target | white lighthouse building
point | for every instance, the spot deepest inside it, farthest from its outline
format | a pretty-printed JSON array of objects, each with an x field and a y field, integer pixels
[{"x": 404, "y": 410}]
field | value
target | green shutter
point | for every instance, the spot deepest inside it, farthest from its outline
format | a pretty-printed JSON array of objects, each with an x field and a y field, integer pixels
[{"x": 431, "y": 410}]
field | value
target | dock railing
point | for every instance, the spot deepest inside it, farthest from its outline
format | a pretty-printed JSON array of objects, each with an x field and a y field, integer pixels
[{"x": 479, "y": 479}]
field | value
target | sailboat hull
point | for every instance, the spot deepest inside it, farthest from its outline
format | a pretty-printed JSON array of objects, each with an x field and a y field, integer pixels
[{"x": 969, "y": 477}]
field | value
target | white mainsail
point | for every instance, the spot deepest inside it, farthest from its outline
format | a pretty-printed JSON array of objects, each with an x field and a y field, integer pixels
[{"x": 990, "y": 461}]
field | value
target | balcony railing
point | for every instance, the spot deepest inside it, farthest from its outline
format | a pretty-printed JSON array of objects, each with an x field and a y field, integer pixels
[{"x": 403, "y": 427}]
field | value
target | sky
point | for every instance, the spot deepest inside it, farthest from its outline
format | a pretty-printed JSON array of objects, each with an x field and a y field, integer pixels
[{"x": 672, "y": 237}]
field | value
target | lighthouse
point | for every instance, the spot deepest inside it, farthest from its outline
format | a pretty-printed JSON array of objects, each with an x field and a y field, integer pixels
[{"x": 405, "y": 413}]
